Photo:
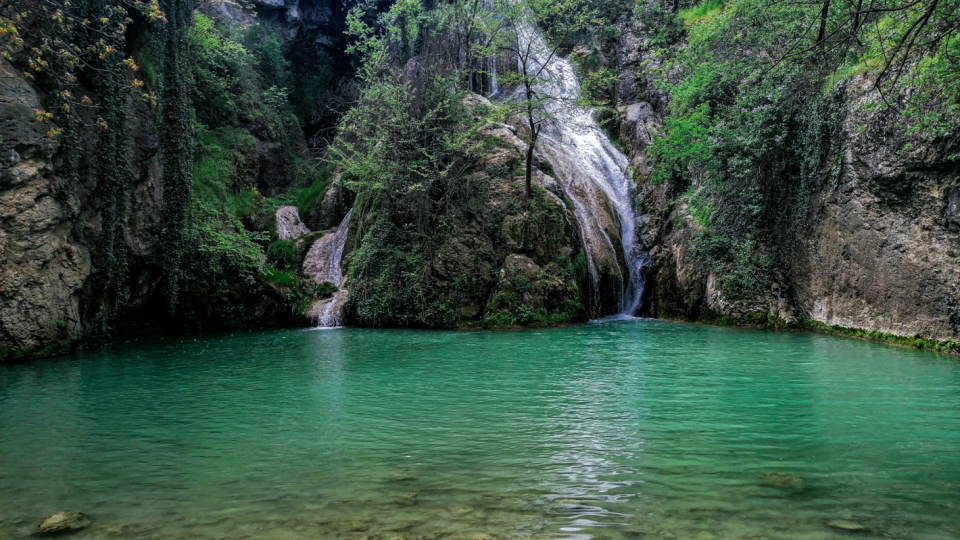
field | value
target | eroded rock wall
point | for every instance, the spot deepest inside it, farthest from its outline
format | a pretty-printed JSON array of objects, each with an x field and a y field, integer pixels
[
  {"x": 42, "y": 268},
  {"x": 883, "y": 251},
  {"x": 880, "y": 249}
]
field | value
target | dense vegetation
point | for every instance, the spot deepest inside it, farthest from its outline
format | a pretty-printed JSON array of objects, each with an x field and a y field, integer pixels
[
  {"x": 418, "y": 159},
  {"x": 757, "y": 91},
  {"x": 752, "y": 94},
  {"x": 222, "y": 99}
]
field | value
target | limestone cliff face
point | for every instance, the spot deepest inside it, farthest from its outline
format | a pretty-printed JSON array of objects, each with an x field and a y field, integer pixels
[
  {"x": 882, "y": 253},
  {"x": 878, "y": 251},
  {"x": 42, "y": 268},
  {"x": 54, "y": 290}
]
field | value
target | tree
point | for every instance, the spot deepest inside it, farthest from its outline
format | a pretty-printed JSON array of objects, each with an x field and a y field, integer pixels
[{"x": 542, "y": 79}]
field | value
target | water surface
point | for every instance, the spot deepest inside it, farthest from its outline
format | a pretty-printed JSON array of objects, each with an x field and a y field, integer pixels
[{"x": 621, "y": 430}]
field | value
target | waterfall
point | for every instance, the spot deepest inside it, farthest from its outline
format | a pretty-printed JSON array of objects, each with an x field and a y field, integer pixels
[
  {"x": 494, "y": 85},
  {"x": 324, "y": 263},
  {"x": 586, "y": 161}
]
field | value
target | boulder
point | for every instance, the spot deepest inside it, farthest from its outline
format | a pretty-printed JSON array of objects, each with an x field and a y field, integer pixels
[
  {"x": 289, "y": 226},
  {"x": 848, "y": 526},
  {"x": 64, "y": 522},
  {"x": 782, "y": 481}
]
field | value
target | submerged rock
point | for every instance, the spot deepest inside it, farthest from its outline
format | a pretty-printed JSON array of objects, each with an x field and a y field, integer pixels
[
  {"x": 63, "y": 522},
  {"x": 848, "y": 526},
  {"x": 782, "y": 481},
  {"x": 408, "y": 499}
]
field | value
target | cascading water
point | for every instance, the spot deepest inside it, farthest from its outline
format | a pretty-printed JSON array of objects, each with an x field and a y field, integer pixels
[
  {"x": 324, "y": 263},
  {"x": 586, "y": 161}
]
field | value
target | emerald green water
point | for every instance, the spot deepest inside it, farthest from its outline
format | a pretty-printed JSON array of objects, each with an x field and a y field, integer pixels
[{"x": 616, "y": 430}]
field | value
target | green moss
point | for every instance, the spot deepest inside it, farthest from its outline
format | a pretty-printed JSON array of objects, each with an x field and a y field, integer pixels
[
  {"x": 766, "y": 320},
  {"x": 915, "y": 342},
  {"x": 12, "y": 354}
]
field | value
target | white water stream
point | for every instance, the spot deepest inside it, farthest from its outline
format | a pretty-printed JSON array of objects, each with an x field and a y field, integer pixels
[
  {"x": 324, "y": 263},
  {"x": 586, "y": 161}
]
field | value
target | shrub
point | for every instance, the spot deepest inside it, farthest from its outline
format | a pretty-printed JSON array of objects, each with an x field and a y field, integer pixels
[{"x": 283, "y": 255}]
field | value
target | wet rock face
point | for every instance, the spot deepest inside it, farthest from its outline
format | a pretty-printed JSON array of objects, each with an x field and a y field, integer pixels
[
  {"x": 41, "y": 269},
  {"x": 63, "y": 522},
  {"x": 883, "y": 254},
  {"x": 289, "y": 226}
]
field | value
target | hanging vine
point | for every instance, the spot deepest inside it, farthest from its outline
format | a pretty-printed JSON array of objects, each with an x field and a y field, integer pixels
[
  {"x": 176, "y": 140},
  {"x": 113, "y": 169}
]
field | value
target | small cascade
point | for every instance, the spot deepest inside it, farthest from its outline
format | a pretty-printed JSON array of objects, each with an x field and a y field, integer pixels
[
  {"x": 289, "y": 226},
  {"x": 329, "y": 312},
  {"x": 593, "y": 172},
  {"x": 323, "y": 260},
  {"x": 492, "y": 71},
  {"x": 324, "y": 263}
]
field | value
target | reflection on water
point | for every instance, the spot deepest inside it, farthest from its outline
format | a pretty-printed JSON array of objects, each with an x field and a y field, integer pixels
[{"x": 622, "y": 430}]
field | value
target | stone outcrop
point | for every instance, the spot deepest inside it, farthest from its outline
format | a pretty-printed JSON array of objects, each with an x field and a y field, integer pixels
[
  {"x": 42, "y": 266},
  {"x": 883, "y": 253},
  {"x": 289, "y": 226},
  {"x": 63, "y": 522},
  {"x": 500, "y": 259},
  {"x": 880, "y": 246}
]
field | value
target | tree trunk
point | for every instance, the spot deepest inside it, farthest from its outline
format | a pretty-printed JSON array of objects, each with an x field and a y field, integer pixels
[
  {"x": 822, "y": 33},
  {"x": 529, "y": 173},
  {"x": 533, "y": 138}
]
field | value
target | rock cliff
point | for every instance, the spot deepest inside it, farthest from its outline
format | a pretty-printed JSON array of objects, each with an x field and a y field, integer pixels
[{"x": 875, "y": 248}]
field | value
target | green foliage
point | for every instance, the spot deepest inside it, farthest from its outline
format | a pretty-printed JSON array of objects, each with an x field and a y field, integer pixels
[
  {"x": 223, "y": 247},
  {"x": 390, "y": 282},
  {"x": 398, "y": 155},
  {"x": 701, "y": 13},
  {"x": 218, "y": 235},
  {"x": 283, "y": 255},
  {"x": 664, "y": 27},
  {"x": 223, "y": 154},
  {"x": 306, "y": 198},
  {"x": 933, "y": 105},
  {"x": 176, "y": 138},
  {"x": 241, "y": 76},
  {"x": 225, "y": 81},
  {"x": 246, "y": 203},
  {"x": 280, "y": 278}
]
